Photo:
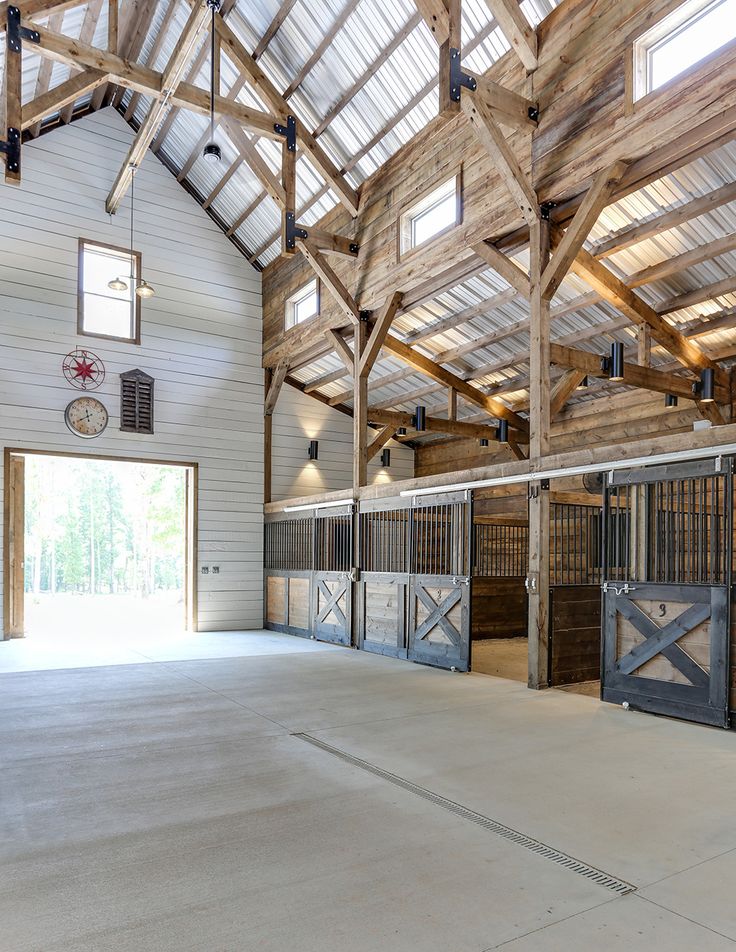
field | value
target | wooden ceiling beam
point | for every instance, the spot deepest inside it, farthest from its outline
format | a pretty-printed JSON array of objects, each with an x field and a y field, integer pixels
[
  {"x": 433, "y": 370},
  {"x": 503, "y": 265},
  {"x": 510, "y": 108},
  {"x": 435, "y": 15},
  {"x": 678, "y": 263},
  {"x": 563, "y": 389},
  {"x": 158, "y": 42},
  {"x": 343, "y": 351},
  {"x": 344, "y": 300},
  {"x": 329, "y": 38},
  {"x": 273, "y": 28},
  {"x": 86, "y": 35},
  {"x": 55, "y": 99},
  {"x": 698, "y": 296},
  {"x": 477, "y": 431},
  {"x": 378, "y": 334},
  {"x": 38, "y": 8},
  {"x": 45, "y": 69}
]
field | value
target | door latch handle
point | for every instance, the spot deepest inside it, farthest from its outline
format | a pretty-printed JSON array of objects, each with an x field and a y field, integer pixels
[
  {"x": 530, "y": 584},
  {"x": 618, "y": 589}
]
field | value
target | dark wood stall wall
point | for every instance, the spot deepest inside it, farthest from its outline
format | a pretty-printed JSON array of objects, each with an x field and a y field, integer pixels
[
  {"x": 288, "y": 561},
  {"x": 499, "y": 604},
  {"x": 575, "y": 593}
]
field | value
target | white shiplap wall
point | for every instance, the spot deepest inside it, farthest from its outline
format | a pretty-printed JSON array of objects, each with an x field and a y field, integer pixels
[
  {"x": 299, "y": 418},
  {"x": 201, "y": 340}
]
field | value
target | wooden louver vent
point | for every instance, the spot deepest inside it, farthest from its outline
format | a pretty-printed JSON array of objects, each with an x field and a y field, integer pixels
[{"x": 136, "y": 402}]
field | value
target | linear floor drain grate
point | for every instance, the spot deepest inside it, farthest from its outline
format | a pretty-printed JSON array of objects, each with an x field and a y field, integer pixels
[{"x": 597, "y": 876}]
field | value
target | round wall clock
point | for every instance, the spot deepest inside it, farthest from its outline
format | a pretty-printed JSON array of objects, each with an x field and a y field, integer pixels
[
  {"x": 83, "y": 369},
  {"x": 86, "y": 417}
]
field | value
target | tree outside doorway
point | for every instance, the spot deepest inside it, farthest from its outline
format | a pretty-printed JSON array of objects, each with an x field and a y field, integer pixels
[{"x": 105, "y": 546}]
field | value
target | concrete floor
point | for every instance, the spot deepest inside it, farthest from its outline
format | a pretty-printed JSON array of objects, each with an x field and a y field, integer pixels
[{"x": 171, "y": 805}]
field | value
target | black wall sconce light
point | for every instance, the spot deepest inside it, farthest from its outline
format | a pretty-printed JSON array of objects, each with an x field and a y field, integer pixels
[
  {"x": 705, "y": 388},
  {"x": 502, "y": 433},
  {"x": 616, "y": 368},
  {"x": 313, "y": 452},
  {"x": 386, "y": 458},
  {"x": 670, "y": 400},
  {"x": 483, "y": 441},
  {"x": 583, "y": 385},
  {"x": 401, "y": 431},
  {"x": 420, "y": 419}
]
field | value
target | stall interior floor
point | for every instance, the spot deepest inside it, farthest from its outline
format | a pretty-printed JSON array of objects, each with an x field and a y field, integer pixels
[
  {"x": 508, "y": 658},
  {"x": 256, "y": 791}
]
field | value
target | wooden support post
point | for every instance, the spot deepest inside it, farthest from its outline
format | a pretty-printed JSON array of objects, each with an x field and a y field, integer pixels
[
  {"x": 452, "y": 43},
  {"x": 360, "y": 411},
  {"x": 644, "y": 345},
  {"x": 272, "y": 394},
  {"x": 452, "y": 404},
  {"x": 267, "y": 440},
  {"x": 13, "y": 95},
  {"x": 112, "y": 26},
  {"x": 540, "y": 420},
  {"x": 288, "y": 182}
]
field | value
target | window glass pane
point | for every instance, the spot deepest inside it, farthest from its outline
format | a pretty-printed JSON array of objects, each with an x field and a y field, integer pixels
[
  {"x": 306, "y": 307},
  {"x": 103, "y": 315},
  {"x": 429, "y": 223},
  {"x": 706, "y": 32},
  {"x": 105, "y": 311},
  {"x": 302, "y": 305}
]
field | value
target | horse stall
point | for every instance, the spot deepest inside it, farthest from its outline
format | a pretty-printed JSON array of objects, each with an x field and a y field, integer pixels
[
  {"x": 499, "y": 603},
  {"x": 667, "y": 587},
  {"x": 413, "y": 593},
  {"x": 288, "y": 563},
  {"x": 574, "y": 654}
]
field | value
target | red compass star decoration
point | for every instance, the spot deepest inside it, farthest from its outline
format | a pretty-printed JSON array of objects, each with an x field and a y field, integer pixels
[{"x": 83, "y": 369}]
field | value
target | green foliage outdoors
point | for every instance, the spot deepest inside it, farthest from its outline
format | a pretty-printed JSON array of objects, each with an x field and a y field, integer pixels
[{"x": 100, "y": 527}]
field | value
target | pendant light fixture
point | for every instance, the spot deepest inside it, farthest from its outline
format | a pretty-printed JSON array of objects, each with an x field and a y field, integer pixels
[
  {"x": 212, "y": 153},
  {"x": 142, "y": 288}
]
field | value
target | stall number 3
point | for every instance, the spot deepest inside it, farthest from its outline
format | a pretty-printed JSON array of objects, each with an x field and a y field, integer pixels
[{"x": 662, "y": 610}]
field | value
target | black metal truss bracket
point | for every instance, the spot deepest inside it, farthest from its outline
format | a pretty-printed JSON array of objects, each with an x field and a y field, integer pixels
[
  {"x": 293, "y": 231},
  {"x": 545, "y": 210},
  {"x": 17, "y": 33},
  {"x": 458, "y": 78},
  {"x": 288, "y": 132},
  {"x": 11, "y": 148}
]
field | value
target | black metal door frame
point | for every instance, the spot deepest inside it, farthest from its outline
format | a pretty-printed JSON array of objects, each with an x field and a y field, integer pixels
[
  {"x": 704, "y": 697},
  {"x": 451, "y": 588}
]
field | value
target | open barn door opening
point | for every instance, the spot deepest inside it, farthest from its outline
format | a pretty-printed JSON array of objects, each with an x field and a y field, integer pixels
[{"x": 667, "y": 584}]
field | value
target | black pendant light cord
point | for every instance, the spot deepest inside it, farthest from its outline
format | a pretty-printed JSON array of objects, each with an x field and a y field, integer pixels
[{"x": 212, "y": 75}]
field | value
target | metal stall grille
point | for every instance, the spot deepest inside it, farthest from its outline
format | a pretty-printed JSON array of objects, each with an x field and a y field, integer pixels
[
  {"x": 500, "y": 551},
  {"x": 576, "y": 571},
  {"x": 288, "y": 565},
  {"x": 667, "y": 581},
  {"x": 332, "y": 577},
  {"x": 383, "y": 527},
  {"x": 439, "y": 581}
]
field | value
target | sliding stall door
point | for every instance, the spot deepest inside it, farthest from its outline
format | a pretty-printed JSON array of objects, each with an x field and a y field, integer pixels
[{"x": 332, "y": 581}]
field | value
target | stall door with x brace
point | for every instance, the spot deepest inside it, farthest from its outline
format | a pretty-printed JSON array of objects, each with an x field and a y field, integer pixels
[{"x": 666, "y": 590}]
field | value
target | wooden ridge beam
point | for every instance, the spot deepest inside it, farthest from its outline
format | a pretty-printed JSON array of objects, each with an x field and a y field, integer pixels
[
  {"x": 170, "y": 79},
  {"x": 55, "y": 99},
  {"x": 595, "y": 200},
  {"x": 433, "y": 370}
]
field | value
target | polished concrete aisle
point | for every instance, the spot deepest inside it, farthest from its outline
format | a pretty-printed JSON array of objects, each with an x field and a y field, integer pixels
[{"x": 293, "y": 797}]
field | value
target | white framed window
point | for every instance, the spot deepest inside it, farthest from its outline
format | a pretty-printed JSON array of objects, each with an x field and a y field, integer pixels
[
  {"x": 102, "y": 311},
  {"x": 680, "y": 40},
  {"x": 435, "y": 213},
  {"x": 302, "y": 305}
]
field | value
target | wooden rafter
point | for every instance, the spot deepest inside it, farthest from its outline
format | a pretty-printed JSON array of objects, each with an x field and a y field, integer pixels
[
  {"x": 86, "y": 35},
  {"x": 273, "y": 27},
  {"x": 55, "y": 99},
  {"x": 435, "y": 15},
  {"x": 517, "y": 30},
  {"x": 158, "y": 42},
  {"x": 508, "y": 269},
  {"x": 433, "y": 424},
  {"x": 170, "y": 79},
  {"x": 45, "y": 69},
  {"x": 510, "y": 108},
  {"x": 343, "y": 351},
  {"x": 563, "y": 389}
]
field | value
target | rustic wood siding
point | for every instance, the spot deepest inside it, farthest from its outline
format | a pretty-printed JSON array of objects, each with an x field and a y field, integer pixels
[
  {"x": 201, "y": 338},
  {"x": 299, "y": 418}
]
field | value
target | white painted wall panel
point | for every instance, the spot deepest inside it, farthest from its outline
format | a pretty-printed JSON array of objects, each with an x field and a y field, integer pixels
[
  {"x": 201, "y": 341},
  {"x": 299, "y": 418}
]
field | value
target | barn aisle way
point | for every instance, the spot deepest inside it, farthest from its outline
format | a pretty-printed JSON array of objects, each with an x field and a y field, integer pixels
[{"x": 306, "y": 796}]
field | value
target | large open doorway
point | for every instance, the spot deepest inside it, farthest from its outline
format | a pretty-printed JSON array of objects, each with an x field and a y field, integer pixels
[{"x": 98, "y": 547}]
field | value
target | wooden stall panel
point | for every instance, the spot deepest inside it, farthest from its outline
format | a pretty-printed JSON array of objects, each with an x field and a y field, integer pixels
[
  {"x": 499, "y": 608},
  {"x": 332, "y": 608},
  {"x": 575, "y": 634},
  {"x": 383, "y": 615},
  {"x": 439, "y": 622},
  {"x": 299, "y": 603},
  {"x": 276, "y": 600}
]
